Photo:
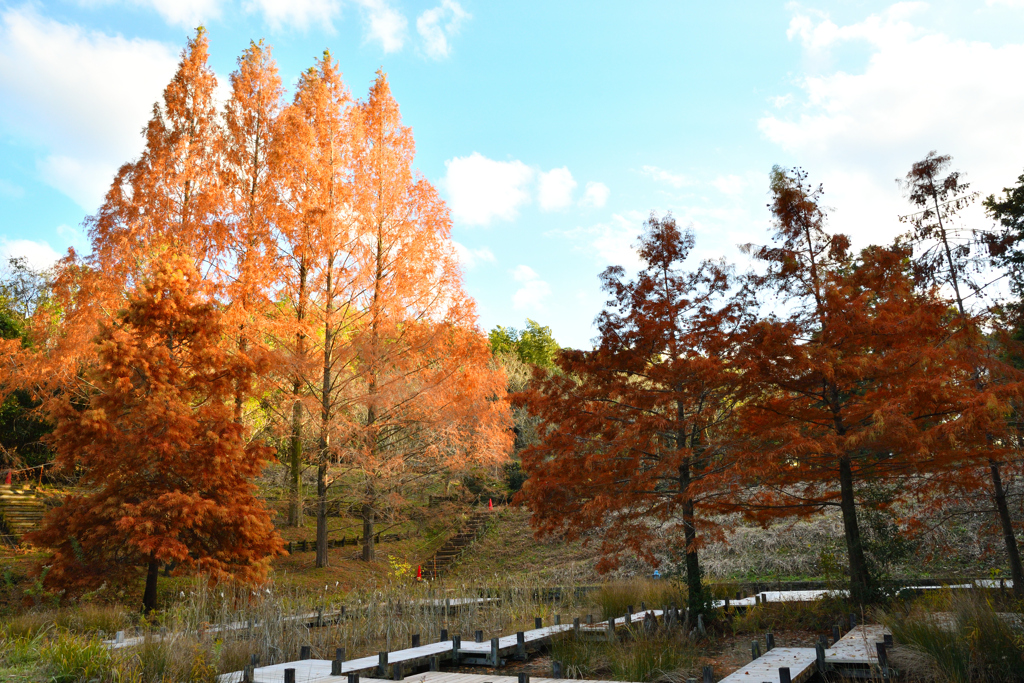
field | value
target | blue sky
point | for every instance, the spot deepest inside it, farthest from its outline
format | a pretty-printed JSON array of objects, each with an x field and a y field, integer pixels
[{"x": 552, "y": 128}]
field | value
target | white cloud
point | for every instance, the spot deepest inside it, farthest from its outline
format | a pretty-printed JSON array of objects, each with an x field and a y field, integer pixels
[
  {"x": 437, "y": 25},
  {"x": 300, "y": 14},
  {"x": 858, "y": 131},
  {"x": 660, "y": 175},
  {"x": 471, "y": 258},
  {"x": 185, "y": 13},
  {"x": 384, "y": 24},
  {"x": 729, "y": 184},
  {"x": 555, "y": 189},
  {"x": 1007, "y": 3},
  {"x": 83, "y": 95},
  {"x": 39, "y": 255},
  {"x": 481, "y": 189},
  {"x": 531, "y": 294},
  {"x": 610, "y": 242},
  {"x": 595, "y": 194}
]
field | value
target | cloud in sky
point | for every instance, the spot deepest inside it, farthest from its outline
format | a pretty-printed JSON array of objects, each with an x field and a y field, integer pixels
[
  {"x": 555, "y": 189},
  {"x": 676, "y": 180},
  {"x": 39, "y": 255},
  {"x": 610, "y": 242},
  {"x": 384, "y": 24},
  {"x": 184, "y": 13},
  {"x": 595, "y": 194},
  {"x": 857, "y": 131},
  {"x": 299, "y": 14},
  {"x": 436, "y": 26},
  {"x": 471, "y": 258},
  {"x": 82, "y": 95},
  {"x": 481, "y": 190},
  {"x": 11, "y": 190},
  {"x": 532, "y": 290}
]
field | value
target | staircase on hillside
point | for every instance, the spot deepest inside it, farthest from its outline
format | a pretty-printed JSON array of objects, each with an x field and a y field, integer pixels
[
  {"x": 20, "y": 512},
  {"x": 441, "y": 562}
]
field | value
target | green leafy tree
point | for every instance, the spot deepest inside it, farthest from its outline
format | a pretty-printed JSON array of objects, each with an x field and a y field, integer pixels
[{"x": 534, "y": 344}]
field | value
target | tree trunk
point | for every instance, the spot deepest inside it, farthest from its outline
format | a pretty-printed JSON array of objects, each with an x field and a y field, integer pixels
[
  {"x": 1009, "y": 537},
  {"x": 321, "y": 512},
  {"x": 694, "y": 586},
  {"x": 295, "y": 462},
  {"x": 369, "y": 554},
  {"x": 149, "y": 595},
  {"x": 860, "y": 580}
]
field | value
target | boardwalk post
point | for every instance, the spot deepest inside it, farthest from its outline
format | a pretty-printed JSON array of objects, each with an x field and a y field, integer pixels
[
  {"x": 305, "y": 652},
  {"x": 709, "y": 675},
  {"x": 339, "y": 659},
  {"x": 576, "y": 626},
  {"x": 435, "y": 664},
  {"x": 769, "y": 641},
  {"x": 479, "y": 636},
  {"x": 556, "y": 669},
  {"x": 757, "y": 599},
  {"x": 520, "y": 645},
  {"x": 353, "y": 678},
  {"x": 415, "y": 640},
  {"x": 456, "y": 644},
  {"x": 835, "y": 633},
  {"x": 289, "y": 676},
  {"x": 611, "y": 630},
  {"x": 887, "y": 639},
  {"x": 495, "y": 654},
  {"x": 254, "y": 660},
  {"x": 558, "y": 620},
  {"x": 590, "y": 619},
  {"x": 755, "y": 649},
  {"x": 524, "y": 678},
  {"x": 444, "y": 635},
  {"x": 853, "y": 621},
  {"x": 396, "y": 671},
  {"x": 382, "y": 664},
  {"x": 629, "y": 614},
  {"x": 784, "y": 676},
  {"x": 819, "y": 654},
  {"x": 726, "y": 607},
  {"x": 883, "y": 659},
  {"x": 538, "y": 622}
]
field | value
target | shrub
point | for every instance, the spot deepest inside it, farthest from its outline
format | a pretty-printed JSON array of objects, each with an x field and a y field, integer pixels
[
  {"x": 67, "y": 658},
  {"x": 616, "y": 597}
]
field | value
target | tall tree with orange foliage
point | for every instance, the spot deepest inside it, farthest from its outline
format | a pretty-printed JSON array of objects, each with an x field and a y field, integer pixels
[
  {"x": 633, "y": 430},
  {"x": 319, "y": 236},
  {"x": 848, "y": 388},
  {"x": 172, "y": 197},
  {"x": 431, "y": 395},
  {"x": 167, "y": 466},
  {"x": 251, "y": 203}
]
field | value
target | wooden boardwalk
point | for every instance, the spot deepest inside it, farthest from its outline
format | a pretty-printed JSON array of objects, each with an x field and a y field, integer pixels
[
  {"x": 857, "y": 647},
  {"x": 765, "y": 669},
  {"x": 313, "y": 669}
]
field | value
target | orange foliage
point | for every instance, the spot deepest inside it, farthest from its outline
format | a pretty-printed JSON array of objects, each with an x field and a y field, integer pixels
[{"x": 167, "y": 470}]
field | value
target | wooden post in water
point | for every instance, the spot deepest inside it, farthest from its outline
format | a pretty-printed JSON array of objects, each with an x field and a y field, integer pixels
[
  {"x": 382, "y": 664},
  {"x": 784, "y": 675},
  {"x": 435, "y": 663},
  {"x": 396, "y": 671},
  {"x": 456, "y": 644},
  {"x": 495, "y": 652},
  {"x": 520, "y": 645},
  {"x": 353, "y": 678}
]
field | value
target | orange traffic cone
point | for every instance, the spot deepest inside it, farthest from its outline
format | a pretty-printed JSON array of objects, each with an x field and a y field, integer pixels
[{"x": 490, "y": 504}]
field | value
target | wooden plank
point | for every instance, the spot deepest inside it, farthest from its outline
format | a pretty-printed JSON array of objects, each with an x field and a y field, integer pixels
[
  {"x": 800, "y": 660},
  {"x": 857, "y": 646}
]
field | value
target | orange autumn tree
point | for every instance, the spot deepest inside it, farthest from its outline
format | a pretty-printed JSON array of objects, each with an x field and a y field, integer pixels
[
  {"x": 634, "y": 430},
  {"x": 166, "y": 466},
  {"x": 318, "y": 238},
  {"x": 847, "y": 389},
  {"x": 431, "y": 397},
  {"x": 250, "y": 261}
]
